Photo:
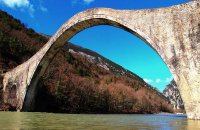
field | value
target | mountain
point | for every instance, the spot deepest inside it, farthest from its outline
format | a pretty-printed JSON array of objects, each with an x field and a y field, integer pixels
[
  {"x": 78, "y": 80},
  {"x": 173, "y": 95},
  {"x": 100, "y": 61}
]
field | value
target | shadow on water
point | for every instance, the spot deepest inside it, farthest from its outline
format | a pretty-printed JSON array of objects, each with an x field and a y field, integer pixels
[{"x": 18, "y": 121}]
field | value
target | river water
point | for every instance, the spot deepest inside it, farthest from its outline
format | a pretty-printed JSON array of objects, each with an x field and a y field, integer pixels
[{"x": 36, "y": 121}]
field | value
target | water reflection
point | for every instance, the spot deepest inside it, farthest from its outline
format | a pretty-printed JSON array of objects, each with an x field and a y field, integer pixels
[{"x": 18, "y": 121}]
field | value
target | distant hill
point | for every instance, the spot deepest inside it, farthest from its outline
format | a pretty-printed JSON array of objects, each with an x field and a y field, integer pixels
[
  {"x": 173, "y": 95},
  {"x": 78, "y": 80},
  {"x": 101, "y": 61}
]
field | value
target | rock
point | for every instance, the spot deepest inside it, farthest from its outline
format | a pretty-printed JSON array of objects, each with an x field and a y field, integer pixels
[{"x": 172, "y": 93}]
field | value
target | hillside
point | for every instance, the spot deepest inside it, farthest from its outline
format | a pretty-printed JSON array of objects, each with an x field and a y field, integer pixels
[
  {"x": 78, "y": 80},
  {"x": 14, "y": 37}
]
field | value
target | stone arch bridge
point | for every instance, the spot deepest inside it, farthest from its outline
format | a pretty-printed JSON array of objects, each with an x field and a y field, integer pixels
[{"x": 173, "y": 32}]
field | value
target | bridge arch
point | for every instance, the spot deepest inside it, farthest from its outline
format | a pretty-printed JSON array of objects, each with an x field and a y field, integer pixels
[
  {"x": 69, "y": 29},
  {"x": 172, "y": 32}
]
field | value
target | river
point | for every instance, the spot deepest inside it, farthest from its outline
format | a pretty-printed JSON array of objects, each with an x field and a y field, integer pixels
[{"x": 22, "y": 120}]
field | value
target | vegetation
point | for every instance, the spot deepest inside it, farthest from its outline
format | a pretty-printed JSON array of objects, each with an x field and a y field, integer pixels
[{"x": 80, "y": 86}]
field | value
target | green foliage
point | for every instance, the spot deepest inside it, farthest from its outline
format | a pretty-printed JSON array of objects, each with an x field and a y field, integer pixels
[
  {"x": 57, "y": 88},
  {"x": 137, "y": 86},
  {"x": 83, "y": 71},
  {"x": 69, "y": 58},
  {"x": 9, "y": 20},
  {"x": 12, "y": 48},
  {"x": 11, "y": 45},
  {"x": 109, "y": 80},
  {"x": 85, "y": 100}
]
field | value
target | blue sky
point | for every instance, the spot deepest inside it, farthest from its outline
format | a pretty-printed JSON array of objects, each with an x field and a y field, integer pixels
[{"x": 46, "y": 16}]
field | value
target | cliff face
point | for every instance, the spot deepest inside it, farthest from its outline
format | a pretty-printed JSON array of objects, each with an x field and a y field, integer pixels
[{"x": 172, "y": 93}]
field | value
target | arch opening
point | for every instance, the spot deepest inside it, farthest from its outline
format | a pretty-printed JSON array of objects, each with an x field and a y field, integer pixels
[
  {"x": 127, "y": 50},
  {"x": 65, "y": 33},
  {"x": 83, "y": 72}
]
